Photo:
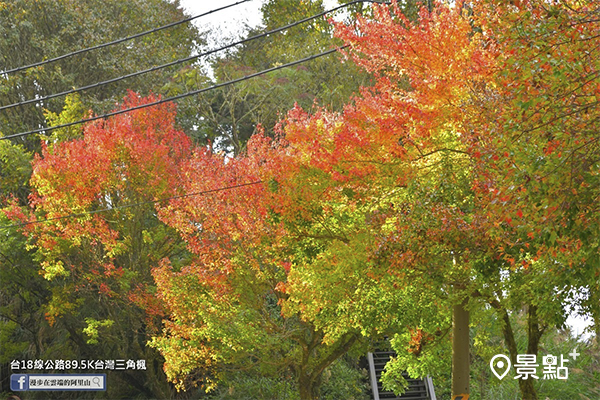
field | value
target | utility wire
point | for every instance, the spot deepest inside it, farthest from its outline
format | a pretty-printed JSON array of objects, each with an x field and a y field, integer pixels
[
  {"x": 183, "y": 60},
  {"x": 177, "y": 97},
  {"x": 75, "y": 215},
  {"x": 37, "y": 64}
]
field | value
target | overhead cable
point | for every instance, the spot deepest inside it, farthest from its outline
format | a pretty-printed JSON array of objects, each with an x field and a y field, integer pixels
[
  {"x": 177, "y": 97},
  {"x": 125, "y": 39},
  {"x": 183, "y": 60},
  {"x": 82, "y": 214}
]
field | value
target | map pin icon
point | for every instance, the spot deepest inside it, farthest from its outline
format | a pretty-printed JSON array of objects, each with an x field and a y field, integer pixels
[{"x": 499, "y": 361}]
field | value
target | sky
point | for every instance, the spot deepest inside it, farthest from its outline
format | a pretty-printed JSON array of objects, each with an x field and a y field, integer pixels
[
  {"x": 230, "y": 22},
  {"x": 227, "y": 25}
]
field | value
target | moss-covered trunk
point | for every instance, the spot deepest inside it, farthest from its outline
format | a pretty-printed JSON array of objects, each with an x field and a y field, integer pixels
[{"x": 461, "y": 367}]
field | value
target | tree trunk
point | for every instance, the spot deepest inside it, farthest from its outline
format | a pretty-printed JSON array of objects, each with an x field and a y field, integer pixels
[
  {"x": 594, "y": 300},
  {"x": 527, "y": 390},
  {"x": 534, "y": 334},
  {"x": 309, "y": 377},
  {"x": 461, "y": 366},
  {"x": 308, "y": 387}
]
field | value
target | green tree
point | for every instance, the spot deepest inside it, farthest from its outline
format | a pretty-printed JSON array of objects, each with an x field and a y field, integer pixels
[
  {"x": 230, "y": 115},
  {"x": 36, "y": 30}
]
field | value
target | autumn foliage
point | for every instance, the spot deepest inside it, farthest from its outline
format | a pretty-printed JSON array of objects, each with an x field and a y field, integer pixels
[
  {"x": 467, "y": 174},
  {"x": 100, "y": 237},
  {"x": 469, "y": 170},
  {"x": 128, "y": 159}
]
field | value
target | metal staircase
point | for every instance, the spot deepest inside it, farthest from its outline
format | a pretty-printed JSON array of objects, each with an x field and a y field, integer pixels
[{"x": 418, "y": 389}]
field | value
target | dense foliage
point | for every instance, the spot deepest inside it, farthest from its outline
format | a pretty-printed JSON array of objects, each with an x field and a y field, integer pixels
[{"x": 463, "y": 174}]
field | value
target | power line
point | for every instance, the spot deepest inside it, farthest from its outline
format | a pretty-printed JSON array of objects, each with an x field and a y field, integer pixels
[
  {"x": 37, "y": 64},
  {"x": 75, "y": 215},
  {"x": 180, "y": 96},
  {"x": 183, "y": 60}
]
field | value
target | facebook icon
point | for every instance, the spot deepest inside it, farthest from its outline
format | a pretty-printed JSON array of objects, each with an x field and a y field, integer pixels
[{"x": 18, "y": 382}]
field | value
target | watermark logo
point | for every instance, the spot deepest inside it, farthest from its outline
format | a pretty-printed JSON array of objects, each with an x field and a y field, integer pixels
[
  {"x": 67, "y": 382},
  {"x": 498, "y": 363},
  {"x": 18, "y": 382},
  {"x": 526, "y": 366}
]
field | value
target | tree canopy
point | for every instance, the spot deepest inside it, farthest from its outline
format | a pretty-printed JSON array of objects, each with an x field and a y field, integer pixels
[
  {"x": 33, "y": 31},
  {"x": 461, "y": 178}
]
